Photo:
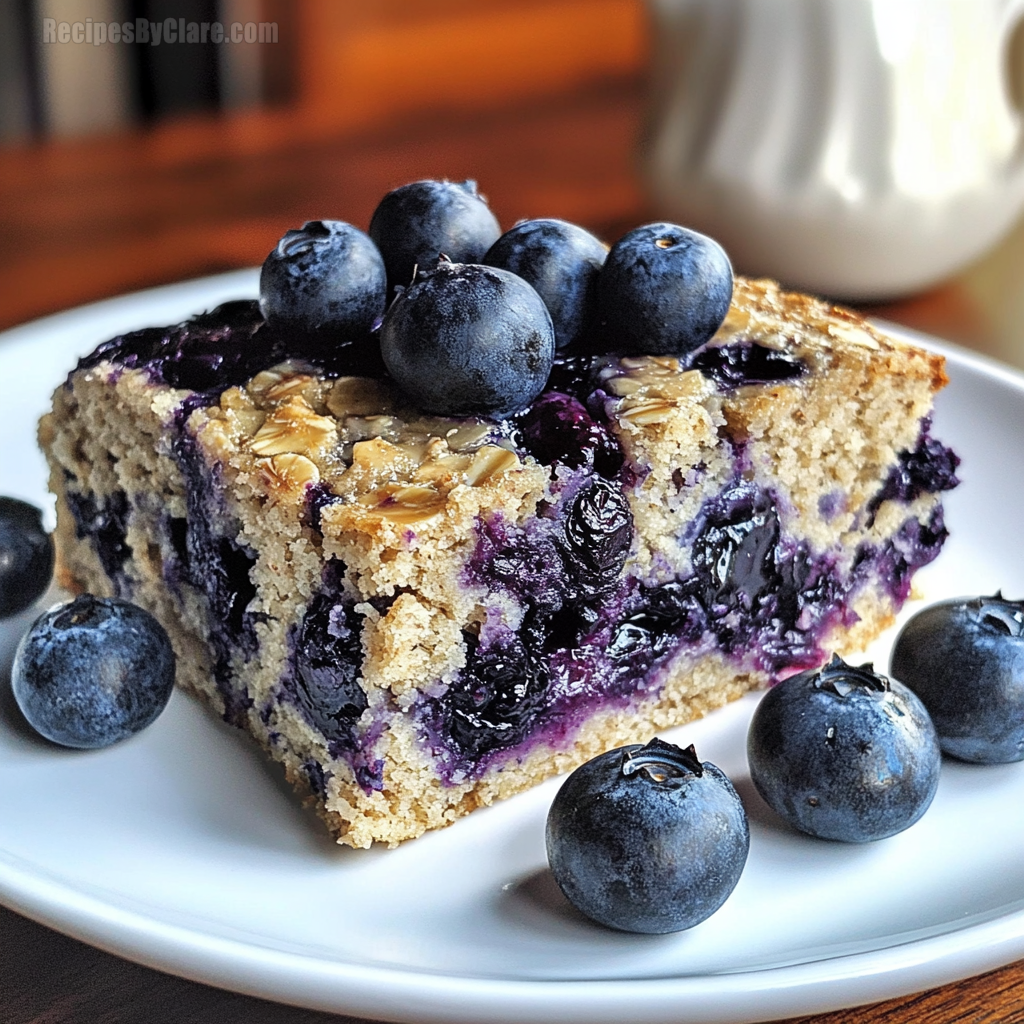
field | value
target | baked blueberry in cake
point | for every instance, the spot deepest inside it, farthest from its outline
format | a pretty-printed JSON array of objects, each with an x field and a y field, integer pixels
[{"x": 418, "y": 613}]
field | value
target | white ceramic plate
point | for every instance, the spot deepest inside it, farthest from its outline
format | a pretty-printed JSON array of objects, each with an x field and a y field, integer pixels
[{"x": 181, "y": 849}]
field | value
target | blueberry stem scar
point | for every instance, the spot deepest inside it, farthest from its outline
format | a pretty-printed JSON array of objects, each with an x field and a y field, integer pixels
[
  {"x": 842, "y": 678},
  {"x": 660, "y": 761}
]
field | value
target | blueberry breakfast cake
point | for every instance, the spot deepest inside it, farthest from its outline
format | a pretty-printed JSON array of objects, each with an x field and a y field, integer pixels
[{"x": 418, "y": 614}]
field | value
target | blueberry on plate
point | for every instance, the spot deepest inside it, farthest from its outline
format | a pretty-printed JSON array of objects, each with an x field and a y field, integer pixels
[
  {"x": 965, "y": 659},
  {"x": 663, "y": 290},
  {"x": 844, "y": 753},
  {"x": 93, "y": 671},
  {"x": 465, "y": 339},
  {"x": 417, "y": 223},
  {"x": 325, "y": 278},
  {"x": 647, "y": 838},
  {"x": 560, "y": 260},
  {"x": 26, "y": 556}
]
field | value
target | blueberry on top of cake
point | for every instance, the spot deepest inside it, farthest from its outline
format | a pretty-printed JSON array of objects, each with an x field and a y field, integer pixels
[{"x": 419, "y": 609}]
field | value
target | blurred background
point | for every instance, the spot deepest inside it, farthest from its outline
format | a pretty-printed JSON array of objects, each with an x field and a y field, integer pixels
[{"x": 149, "y": 141}]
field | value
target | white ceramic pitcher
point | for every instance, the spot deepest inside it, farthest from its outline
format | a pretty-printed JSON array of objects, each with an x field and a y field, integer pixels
[{"x": 856, "y": 148}]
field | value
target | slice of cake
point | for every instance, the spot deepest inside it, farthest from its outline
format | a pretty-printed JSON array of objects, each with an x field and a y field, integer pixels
[{"x": 419, "y": 615}]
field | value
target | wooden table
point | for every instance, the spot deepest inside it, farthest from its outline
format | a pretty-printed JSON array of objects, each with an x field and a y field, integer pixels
[{"x": 90, "y": 220}]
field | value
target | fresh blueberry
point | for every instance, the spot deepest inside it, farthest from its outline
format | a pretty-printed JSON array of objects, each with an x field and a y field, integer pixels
[
  {"x": 26, "y": 556},
  {"x": 466, "y": 339},
  {"x": 417, "y": 223},
  {"x": 647, "y": 838},
  {"x": 844, "y": 753},
  {"x": 327, "y": 278},
  {"x": 93, "y": 671},
  {"x": 560, "y": 260},
  {"x": 663, "y": 290},
  {"x": 965, "y": 659}
]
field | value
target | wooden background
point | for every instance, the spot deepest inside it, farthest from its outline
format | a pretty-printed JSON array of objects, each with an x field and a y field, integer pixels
[{"x": 542, "y": 102}]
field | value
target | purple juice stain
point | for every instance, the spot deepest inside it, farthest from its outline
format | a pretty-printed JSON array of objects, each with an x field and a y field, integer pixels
[
  {"x": 370, "y": 776},
  {"x": 509, "y": 558},
  {"x": 557, "y": 429},
  {"x": 227, "y": 346},
  {"x": 209, "y": 561},
  {"x": 832, "y": 504},
  {"x": 327, "y": 656},
  {"x": 746, "y": 362},
  {"x": 316, "y": 777},
  {"x": 322, "y": 679},
  {"x": 210, "y": 352},
  {"x": 215, "y": 565},
  {"x": 562, "y": 567},
  {"x": 928, "y": 468},
  {"x": 573, "y": 375},
  {"x": 318, "y": 497},
  {"x": 752, "y": 594},
  {"x": 500, "y": 694},
  {"x": 913, "y": 546},
  {"x": 105, "y": 524}
]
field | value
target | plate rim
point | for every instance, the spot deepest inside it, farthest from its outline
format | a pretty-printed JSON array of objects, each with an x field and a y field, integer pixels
[
  {"x": 382, "y": 993},
  {"x": 403, "y": 994}
]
